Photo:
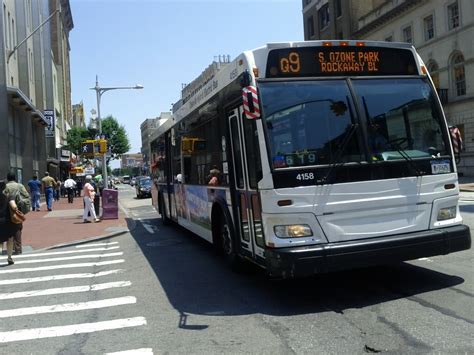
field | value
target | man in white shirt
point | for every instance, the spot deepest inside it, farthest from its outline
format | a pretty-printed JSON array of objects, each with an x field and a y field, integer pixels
[{"x": 70, "y": 186}]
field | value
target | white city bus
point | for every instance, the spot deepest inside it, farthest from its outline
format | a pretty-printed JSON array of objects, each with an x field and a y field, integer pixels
[{"x": 309, "y": 157}]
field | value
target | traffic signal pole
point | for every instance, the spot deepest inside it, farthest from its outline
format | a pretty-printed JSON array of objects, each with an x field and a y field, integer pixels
[{"x": 99, "y": 91}]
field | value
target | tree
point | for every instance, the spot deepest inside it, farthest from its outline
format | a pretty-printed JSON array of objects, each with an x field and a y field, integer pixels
[{"x": 116, "y": 136}]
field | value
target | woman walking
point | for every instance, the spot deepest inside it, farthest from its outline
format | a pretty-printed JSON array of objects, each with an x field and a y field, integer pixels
[{"x": 8, "y": 229}]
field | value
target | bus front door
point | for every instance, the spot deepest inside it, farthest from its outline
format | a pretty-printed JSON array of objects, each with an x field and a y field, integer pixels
[{"x": 246, "y": 206}]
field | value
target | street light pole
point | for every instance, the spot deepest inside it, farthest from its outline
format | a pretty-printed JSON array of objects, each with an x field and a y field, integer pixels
[{"x": 99, "y": 91}]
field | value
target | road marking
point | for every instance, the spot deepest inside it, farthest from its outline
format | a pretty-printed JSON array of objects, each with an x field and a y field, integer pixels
[
  {"x": 144, "y": 351},
  {"x": 64, "y": 266},
  {"x": 68, "y": 307},
  {"x": 62, "y": 290},
  {"x": 96, "y": 245},
  {"x": 58, "y": 331},
  {"x": 59, "y": 277},
  {"x": 67, "y": 258},
  {"x": 63, "y": 252},
  {"x": 425, "y": 259},
  {"x": 149, "y": 228}
]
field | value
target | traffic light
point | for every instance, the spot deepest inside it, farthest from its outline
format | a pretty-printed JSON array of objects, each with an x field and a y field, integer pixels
[
  {"x": 87, "y": 148},
  {"x": 102, "y": 146}
]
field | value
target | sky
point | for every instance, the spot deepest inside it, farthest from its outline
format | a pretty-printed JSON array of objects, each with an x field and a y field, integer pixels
[{"x": 162, "y": 44}]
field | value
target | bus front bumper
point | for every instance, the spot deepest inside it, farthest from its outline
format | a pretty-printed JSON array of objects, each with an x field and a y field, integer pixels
[{"x": 314, "y": 259}]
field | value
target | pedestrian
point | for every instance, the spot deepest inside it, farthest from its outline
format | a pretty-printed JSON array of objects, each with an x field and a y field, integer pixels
[
  {"x": 8, "y": 229},
  {"x": 89, "y": 195},
  {"x": 70, "y": 186},
  {"x": 34, "y": 186},
  {"x": 48, "y": 188},
  {"x": 57, "y": 189},
  {"x": 214, "y": 176},
  {"x": 78, "y": 187},
  {"x": 17, "y": 193}
]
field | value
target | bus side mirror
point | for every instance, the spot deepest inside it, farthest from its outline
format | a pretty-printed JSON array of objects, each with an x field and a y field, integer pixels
[
  {"x": 456, "y": 141},
  {"x": 250, "y": 101}
]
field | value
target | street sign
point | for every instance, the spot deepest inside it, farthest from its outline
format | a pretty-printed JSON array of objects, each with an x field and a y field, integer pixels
[{"x": 49, "y": 117}]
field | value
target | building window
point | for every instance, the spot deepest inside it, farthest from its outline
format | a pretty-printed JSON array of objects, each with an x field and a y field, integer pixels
[
  {"x": 323, "y": 14},
  {"x": 428, "y": 24},
  {"x": 310, "y": 25},
  {"x": 407, "y": 34},
  {"x": 453, "y": 15},
  {"x": 459, "y": 75},
  {"x": 338, "y": 6}
]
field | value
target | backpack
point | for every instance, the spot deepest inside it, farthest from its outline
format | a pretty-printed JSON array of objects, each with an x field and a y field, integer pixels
[{"x": 22, "y": 199}]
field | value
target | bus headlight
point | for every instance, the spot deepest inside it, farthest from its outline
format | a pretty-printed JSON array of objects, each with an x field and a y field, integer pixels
[
  {"x": 446, "y": 213},
  {"x": 293, "y": 231}
]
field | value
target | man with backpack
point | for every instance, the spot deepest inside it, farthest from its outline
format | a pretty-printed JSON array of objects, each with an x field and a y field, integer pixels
[{"x": 23, "y": 202}]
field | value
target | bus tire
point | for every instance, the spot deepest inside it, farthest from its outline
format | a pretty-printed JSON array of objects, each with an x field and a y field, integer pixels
[
  {"x": 226, "y": 242},
  {"x": 164, "y": 218}
]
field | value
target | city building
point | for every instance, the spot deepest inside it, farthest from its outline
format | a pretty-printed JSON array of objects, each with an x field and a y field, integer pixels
[
  {"x": 442, "y": 33},
  {"x": 333, "y": 19},
  {"x": 35, "y": 87},
  {"x": 131, "y": 161},
  {"x": 78, "y": 118},
  {"x": 147, "y": 127}
]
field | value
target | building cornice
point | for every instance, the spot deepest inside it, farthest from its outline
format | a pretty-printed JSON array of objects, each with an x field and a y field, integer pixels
[{"x": 383, "y": 18}]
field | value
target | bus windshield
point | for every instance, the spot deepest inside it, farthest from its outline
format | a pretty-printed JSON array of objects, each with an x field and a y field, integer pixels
[{"x": 308, "y": 121}]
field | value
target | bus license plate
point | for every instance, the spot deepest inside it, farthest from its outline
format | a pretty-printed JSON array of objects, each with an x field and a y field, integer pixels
[{"x": 440, "y": 167}]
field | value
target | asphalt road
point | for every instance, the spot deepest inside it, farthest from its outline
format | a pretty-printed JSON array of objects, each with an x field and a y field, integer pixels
[{"x": 163, "y": 290}]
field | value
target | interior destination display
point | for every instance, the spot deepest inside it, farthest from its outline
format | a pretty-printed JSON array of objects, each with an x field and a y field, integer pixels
[{"x": 339, "y": 60}]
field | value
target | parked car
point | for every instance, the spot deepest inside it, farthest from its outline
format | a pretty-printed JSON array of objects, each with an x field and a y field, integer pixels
[
  {"x": 133, "y": 181},
  {"x": 143, "y": 187}
]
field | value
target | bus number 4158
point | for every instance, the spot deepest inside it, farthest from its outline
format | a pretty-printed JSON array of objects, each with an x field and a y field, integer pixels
[{"x": 305, "y": 176}]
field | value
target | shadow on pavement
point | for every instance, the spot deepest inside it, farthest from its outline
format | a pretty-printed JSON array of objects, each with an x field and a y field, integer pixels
[{"x": 197, "y": 281}]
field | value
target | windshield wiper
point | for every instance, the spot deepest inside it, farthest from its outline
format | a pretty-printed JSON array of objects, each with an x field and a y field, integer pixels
[
  {"x": 336, "y": 164},
  {"x": 405, "y": 156},
  {"x": 393, "y": 143}
]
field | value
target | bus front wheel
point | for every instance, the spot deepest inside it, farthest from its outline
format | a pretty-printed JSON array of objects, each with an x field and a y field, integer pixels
[{"x": 226, "y": 240}]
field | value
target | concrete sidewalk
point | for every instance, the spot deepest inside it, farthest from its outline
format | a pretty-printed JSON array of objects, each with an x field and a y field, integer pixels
[
  {"x": 466, "y": 183},
  {"x": 64, "y": 224}
]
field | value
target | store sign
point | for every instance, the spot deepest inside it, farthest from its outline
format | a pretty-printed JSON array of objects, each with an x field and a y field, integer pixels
[{"x": 49, "y": 117}]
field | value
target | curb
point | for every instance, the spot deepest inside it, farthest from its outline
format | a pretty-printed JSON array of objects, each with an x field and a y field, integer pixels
[{"x": 83, "y": 241}]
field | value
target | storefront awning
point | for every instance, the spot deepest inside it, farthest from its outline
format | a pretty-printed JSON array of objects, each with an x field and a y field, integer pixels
[{"x": 20, "y": 100}]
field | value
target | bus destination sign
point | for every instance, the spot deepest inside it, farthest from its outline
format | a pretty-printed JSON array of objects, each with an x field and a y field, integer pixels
[{"x": 339, "y": 61}]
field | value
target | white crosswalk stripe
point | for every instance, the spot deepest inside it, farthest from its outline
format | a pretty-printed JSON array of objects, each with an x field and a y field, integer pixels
[
  {"x": 50, "y": 332},
  {"x": 63, "y": 266},
  {"x": 50, "y": 290},
  {"x": 141, "y": 351},
  {"x": 22, "y": 256},
  {"x": 89, "y": 256},
  {"x": 59, "y": 277},
  {"x": 67, "y": 307}
]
